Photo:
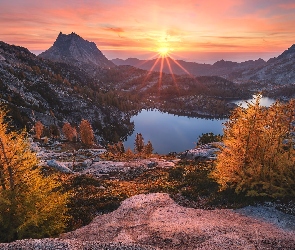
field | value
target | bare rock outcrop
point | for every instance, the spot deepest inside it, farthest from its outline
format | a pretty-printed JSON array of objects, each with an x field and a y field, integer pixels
[{"x": 156, "y": 220}]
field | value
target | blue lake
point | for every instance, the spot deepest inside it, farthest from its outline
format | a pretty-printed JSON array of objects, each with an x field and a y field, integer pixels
[{"x": 171, "y": 133}]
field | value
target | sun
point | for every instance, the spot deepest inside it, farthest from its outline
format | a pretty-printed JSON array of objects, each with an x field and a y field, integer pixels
[{"x": 163, "y": 51}]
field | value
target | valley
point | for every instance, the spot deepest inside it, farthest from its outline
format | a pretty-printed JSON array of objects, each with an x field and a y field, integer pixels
[{"x": 66, "y": 89}]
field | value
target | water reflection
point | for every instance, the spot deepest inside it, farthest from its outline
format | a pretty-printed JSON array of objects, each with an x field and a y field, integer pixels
[{"x": 264, "y": 101}]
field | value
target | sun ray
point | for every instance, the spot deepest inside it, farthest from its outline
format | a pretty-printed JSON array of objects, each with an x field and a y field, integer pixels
[
  {"x": 164, "y": 59},
  {"x": 161, "y": 72},
  {"x": 180, "y": 66},
  {"x": 142, "y": 62},
  {"x": 145, "y": 61},
  {"x": 172, "y": 74},
  {"x": 150, "y": 71}
]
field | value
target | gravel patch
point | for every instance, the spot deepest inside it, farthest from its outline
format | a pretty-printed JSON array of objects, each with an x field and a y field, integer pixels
[
  {"x": 53, "y": 244},
  {"x": 271, "y": 215}
]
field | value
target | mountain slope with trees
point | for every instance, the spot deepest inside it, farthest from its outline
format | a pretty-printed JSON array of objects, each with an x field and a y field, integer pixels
[{"x": 36, "y": 89}]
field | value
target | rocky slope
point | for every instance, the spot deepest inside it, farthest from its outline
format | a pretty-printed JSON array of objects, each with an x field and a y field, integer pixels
[
  {"x": 73, "y": 49},
  {"x": 279, "y": 70},
  {"x": 36, "y": 89},
  {"x": 54, "y": 244}
]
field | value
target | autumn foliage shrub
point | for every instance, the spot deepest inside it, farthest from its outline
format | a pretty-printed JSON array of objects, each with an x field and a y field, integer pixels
[{"x": 93, "y": 195}]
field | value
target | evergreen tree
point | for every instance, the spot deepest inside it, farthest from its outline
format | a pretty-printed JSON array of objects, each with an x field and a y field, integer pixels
[
  {"x": 148, "y": 148},
  {"x": 139, "y": 143},
  {"x": 31, "y": 205},
  {"x": 208, "y": 138},
  {"x": 258, "y": 154},
  {"x": 54, "y": 131}
]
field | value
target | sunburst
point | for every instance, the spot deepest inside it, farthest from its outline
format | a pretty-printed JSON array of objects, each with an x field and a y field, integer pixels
[
  {"x": 164, "y": 51},
  {"x": 165, "y": 58}
]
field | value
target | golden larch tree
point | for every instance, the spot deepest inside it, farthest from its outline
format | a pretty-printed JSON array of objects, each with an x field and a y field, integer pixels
[
  {"x": 148, "y": 148},
  {"x": 139, "y": 143},
  {"x": 258, "y": 154},
  {"x": 69, "y": 132},
  {"x": 38, "y": 129},
  {"x": 31, "y": 205},
  {"x": 86, "y": 133}
]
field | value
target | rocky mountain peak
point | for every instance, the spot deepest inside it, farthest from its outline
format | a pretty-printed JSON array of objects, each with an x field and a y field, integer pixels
[{"x": 73, "y": 49}]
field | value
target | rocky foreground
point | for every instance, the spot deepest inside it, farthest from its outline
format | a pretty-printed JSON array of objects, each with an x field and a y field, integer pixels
[{"x": 155, "y": 221}]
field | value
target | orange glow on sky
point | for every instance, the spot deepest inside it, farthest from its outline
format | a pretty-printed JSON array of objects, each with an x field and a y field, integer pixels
[{"x": 129, "y": 28}]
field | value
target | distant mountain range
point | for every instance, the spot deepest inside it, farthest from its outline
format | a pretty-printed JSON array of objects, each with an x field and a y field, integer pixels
[
  {"x": 180, "y": 67},
  {"x": 279, "y": 70},
  {"x": 74, "y": 50}
]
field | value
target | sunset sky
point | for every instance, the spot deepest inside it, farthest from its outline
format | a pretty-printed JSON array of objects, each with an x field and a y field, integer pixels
[{"x": 193, "y": 30}]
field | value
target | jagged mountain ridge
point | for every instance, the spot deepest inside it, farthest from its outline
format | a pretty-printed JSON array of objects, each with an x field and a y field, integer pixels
[
  {"x": 288, "y": 53},
  {"x": 278, "y": 70},
  {"x": 73, "y": 49},
  {"x": 180, "y": 67}
]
